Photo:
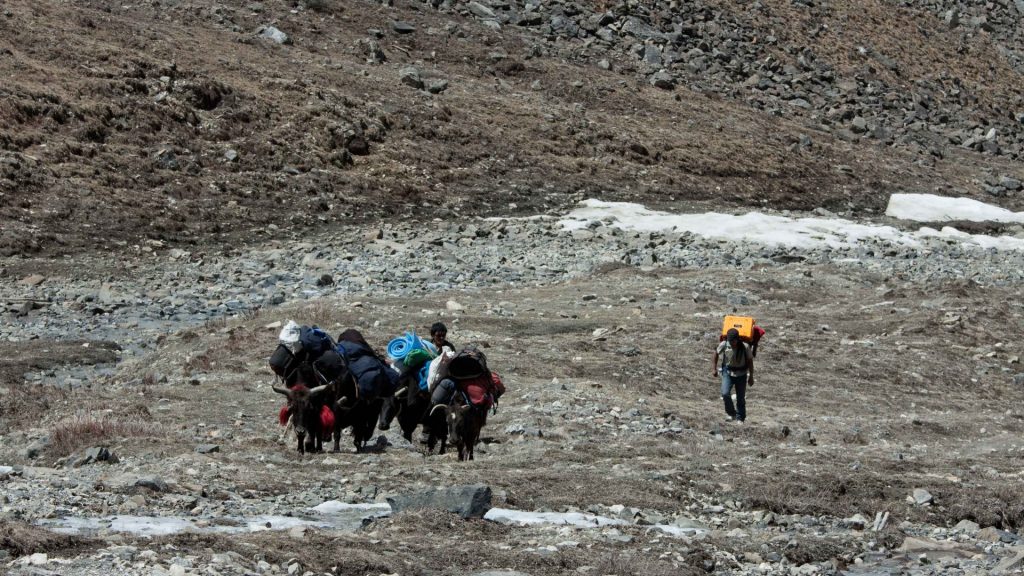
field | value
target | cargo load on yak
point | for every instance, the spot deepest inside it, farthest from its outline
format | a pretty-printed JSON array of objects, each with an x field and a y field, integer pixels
[
  {"x": 299, "y": 348},
  {"x": 305, "y": 362},
  {"x": 411, "y": 354},
  {"x": 481, "y": 386},
  {"x": 373, "y": 377},
  {"x": 748, "y": 329}
]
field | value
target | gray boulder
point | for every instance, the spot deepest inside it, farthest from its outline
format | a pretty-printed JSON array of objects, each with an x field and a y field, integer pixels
[
  {"x": 410, "y": 76},
  {"x": 471, "y": 501},
  {"x": 480, "y": 11},
  {"x": 273, "y": 34},
  {"x": 663, "y": 80},
  {"x": 436, "y": 85},
  {"x": 401, "y": 27},
  {"x": 94, "y": 455}
]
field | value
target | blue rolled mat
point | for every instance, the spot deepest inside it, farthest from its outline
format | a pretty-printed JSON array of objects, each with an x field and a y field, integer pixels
[
  {"x": 414, "y": 340},
  {"x": 399, "y": 347}
]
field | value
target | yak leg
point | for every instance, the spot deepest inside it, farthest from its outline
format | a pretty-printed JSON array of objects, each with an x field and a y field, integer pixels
[
  {"x": 432, "y": 441},
  {"x": 337, "y": 438},
  {"x": 302, "y": 442}
]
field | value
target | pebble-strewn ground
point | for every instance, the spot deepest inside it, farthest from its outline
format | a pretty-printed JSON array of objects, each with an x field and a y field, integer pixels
[{"x": 889, "y": 384}]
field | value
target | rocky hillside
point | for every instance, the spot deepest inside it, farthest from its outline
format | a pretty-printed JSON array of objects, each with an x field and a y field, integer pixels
[{"x": 173, "y": 123}]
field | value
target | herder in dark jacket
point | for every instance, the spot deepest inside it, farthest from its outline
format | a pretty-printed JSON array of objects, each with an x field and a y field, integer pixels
[{"x": 737, "y": 370}]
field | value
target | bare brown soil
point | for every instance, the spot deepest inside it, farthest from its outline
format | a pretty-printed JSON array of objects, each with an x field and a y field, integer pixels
[{"x": 115, "y": 122}]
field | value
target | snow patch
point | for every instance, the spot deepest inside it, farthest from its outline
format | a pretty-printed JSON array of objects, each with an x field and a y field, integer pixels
[
  {"x": 581, "y": 520},
  {"x": 932, "y": 208},
  {"x": 332, "y": 515},
  {"x": 770, "y": 230},
  {"x": 577, "y": 519},
  {"x": 336, "y": 507}
]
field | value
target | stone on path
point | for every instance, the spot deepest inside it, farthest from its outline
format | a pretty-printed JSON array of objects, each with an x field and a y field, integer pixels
[
  {"x": 402, "y": 27},
  {"x": 471, "y": 501},
  {"x": 922, "y": 497},
  {"x": 410, "y": 76}
]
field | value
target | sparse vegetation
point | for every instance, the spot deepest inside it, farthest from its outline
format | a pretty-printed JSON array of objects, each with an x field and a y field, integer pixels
[{"x": 84, "y": 430}]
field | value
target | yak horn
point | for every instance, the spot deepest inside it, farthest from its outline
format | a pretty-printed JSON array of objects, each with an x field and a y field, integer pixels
[
  {"x": 341, "y": 401},
  {"x": 401, "y": 391},
  {"x": 434, "y": 409},
  {"x": 317, "y": 390},
  {"x": 284, "y": 391}
]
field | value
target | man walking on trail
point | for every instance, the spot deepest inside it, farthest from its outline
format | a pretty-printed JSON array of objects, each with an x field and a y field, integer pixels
[{"x": 737, "y": 366}]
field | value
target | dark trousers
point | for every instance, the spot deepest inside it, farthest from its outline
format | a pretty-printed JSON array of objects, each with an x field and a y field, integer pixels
[{"x": 739, "y": 382}]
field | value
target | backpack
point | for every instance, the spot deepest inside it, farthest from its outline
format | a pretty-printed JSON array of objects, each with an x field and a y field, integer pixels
[
  {"x": 314, "y": 341},
  {"x": 329, "y": 367},
  {"x": 372, "y": 376},
  {"x": 469, "y": 363},
  {"x": 482, "y": 391},
  {"x": 284, "y": 364}
]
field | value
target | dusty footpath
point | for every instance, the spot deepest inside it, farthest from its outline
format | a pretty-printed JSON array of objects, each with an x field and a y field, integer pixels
[{"x": 883, "y": 436}]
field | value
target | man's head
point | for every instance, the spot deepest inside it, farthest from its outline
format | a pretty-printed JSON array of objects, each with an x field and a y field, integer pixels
[
  {"x": 438, "y": 333},
  {"x": 732, "y": 337}
]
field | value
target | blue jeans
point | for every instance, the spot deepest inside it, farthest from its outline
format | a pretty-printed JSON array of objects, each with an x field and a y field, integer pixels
[{"x": 740, "y": 383}]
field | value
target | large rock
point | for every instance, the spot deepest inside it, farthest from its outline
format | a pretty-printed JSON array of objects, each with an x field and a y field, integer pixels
[
  {"x": 663, "y": 80},
  {"x": 471, "y": 501},
  {"x": 402, "y": 27},
  {"x": 436, "y": 85},
  {"x": 410, "y": 76},
  {"x": 993, "y": 534},
  {"x": 481, "y": 11},
  {"x": 32, "y": 280},
  {"x": 922, "y": 497},
  {"x": 93, "y": 455},
  {"x": 1015, "y": 562},
  {"x": 273, "y": 34}
]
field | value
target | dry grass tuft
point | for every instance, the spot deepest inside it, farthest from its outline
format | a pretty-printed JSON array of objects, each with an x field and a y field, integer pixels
[
  {"x": 80, "y": 431},
  {"x": 1002, "y": 507},
  {"x": 19, "y": 408}
]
